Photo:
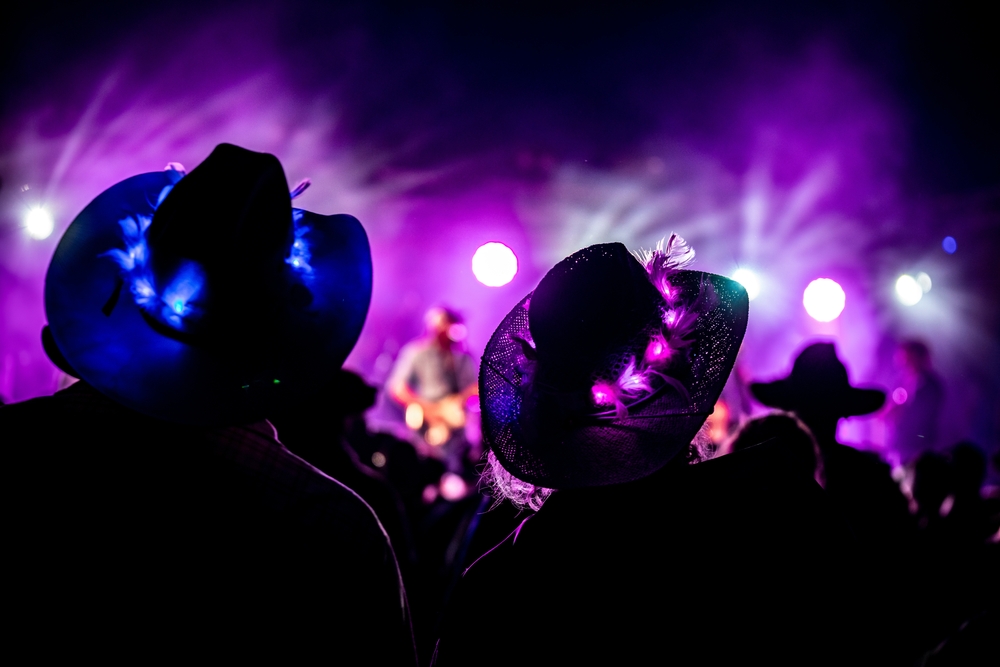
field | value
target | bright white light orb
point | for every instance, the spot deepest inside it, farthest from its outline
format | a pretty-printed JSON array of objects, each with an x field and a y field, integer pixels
[
  {"x": 749, "y": 280},
  {"x": 39, "y": 224},
  {"x": 494, "y": 264},
  {"x": 924, "y": 281},
  {"x": 908, "y": 290},
  {"x": 824, "y": 300}
]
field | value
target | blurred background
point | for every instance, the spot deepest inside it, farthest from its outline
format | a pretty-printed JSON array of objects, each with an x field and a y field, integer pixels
[{"x": 855, "y": 142}]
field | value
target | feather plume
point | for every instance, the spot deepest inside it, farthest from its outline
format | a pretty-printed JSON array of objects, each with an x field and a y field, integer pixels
[
  {"x": 300, "y": 188},
  {"x": 674, "y": 335},
  {"x": 670, "y": 256}
]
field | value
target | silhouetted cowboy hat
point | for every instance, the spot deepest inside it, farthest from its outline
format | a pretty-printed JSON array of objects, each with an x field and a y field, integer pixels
[
  {"x": 206, "y": 298},
  {"x": 818, "y": 382},
  {"x": 609, "y": 368}
]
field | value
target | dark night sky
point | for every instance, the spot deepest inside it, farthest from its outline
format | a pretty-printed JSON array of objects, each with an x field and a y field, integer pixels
[{"x": 589, "y": 68}]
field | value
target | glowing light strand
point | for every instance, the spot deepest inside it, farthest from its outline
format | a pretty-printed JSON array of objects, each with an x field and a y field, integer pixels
[
  {"x": 175, "y": 303},
  {"x": 299, "y": 254},
  {"x": 133, "y": 260},
  {"x": 635, "y": 382}
]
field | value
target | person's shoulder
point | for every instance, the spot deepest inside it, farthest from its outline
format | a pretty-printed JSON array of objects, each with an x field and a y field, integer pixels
[
  {"x": 412, "y": 348},
  {"x": 848, "y": 466},
  {"x": 858, "y": 457},
  {"x": 290, "y": 484},
  {"x": 79, "y": 399},
  {"x": 777, "y": 459},
  {"x": 408, "y": 355}
]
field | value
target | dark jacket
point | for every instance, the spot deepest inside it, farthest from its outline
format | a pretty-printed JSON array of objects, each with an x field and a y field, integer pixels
[
  {"x": 736, "y": 560},
  {"x": 129, "y": 537}
]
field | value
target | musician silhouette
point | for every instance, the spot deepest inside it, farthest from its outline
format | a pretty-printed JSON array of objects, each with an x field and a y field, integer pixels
[{"x": 433, "y": 379}]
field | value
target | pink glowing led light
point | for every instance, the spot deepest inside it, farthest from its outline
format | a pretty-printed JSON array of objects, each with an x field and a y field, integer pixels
[
  {"x": 604, "y": 394},
  {"x": 494, "y": 264},
  {"x": 636, "y": 380},
  {"x": 658, "y": 350}
]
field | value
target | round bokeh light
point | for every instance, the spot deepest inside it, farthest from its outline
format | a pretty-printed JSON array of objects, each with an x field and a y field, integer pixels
[
  {"x": 908, "y": 290},
  {"x": 824, "y": 300},
  {"x": 949, "y": 245},
  {"x": 39, "y": 224},
  {"x": 749, "y": 280},
  {"x": 494, "y": 264}
]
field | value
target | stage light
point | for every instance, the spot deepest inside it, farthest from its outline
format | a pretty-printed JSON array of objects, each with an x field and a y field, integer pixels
[
  {"x": 924, "y": 281},
  {"x": 39, "y": 223},
  {"x": 494, "y": 264},
  {"x": 824, "y": 300},
  {"x": 749, "y": 280},
  {"x": 908, "y": 290},
  {"x": 949, "y": 245}
]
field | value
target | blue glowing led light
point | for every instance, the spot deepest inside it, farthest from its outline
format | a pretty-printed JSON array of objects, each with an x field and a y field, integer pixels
[
  {"x": 184, "y": 287},
  {"x": 174, "y": 304},
  {"x": 299, "y": 255},
  {"x": 133, "y": 260},
  {"x": 949, "y": 245}
]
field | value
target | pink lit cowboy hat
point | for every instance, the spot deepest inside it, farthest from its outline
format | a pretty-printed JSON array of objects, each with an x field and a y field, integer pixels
[{"x": 610, "y": 367}]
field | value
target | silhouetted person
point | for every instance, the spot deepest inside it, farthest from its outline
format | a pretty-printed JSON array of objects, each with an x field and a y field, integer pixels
[
  {"x": 917, "y": 418},
  {"x": 593, "y": 388},
  {"x": 969, "y": 512},
  {"x": 432, "y": 379},
  {"x": 932, "y": 491},
  {"x": 819, "y": 393},
  {"x": 314, "y": 429},
  {"x": 150, "y": 509},
  {"x": 954, "y": 575},
  {"x": 784, "y": 427},
  {"x": 860, "y": 486}
]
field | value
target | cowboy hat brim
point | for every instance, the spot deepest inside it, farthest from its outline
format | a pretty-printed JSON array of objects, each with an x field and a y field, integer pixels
[
  {"x": 122, "y": 356},
  {"x": 849, "y": 401}
]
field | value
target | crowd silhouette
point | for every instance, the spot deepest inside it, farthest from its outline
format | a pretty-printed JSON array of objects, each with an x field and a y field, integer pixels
[{"x": 210, "y": 483}]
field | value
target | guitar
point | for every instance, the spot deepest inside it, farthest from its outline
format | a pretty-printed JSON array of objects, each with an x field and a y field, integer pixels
[{"x": 437, "y": 420}]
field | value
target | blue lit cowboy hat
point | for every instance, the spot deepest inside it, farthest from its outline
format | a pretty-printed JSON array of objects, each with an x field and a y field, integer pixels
[{"x": 206, "y": 298}]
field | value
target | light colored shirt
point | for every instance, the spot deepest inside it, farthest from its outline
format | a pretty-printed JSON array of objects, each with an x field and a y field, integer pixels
[{"x": 433, "y": 373}]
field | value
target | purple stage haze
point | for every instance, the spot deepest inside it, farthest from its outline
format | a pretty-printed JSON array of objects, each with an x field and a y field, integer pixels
[{"x": 789, "y": 160}]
